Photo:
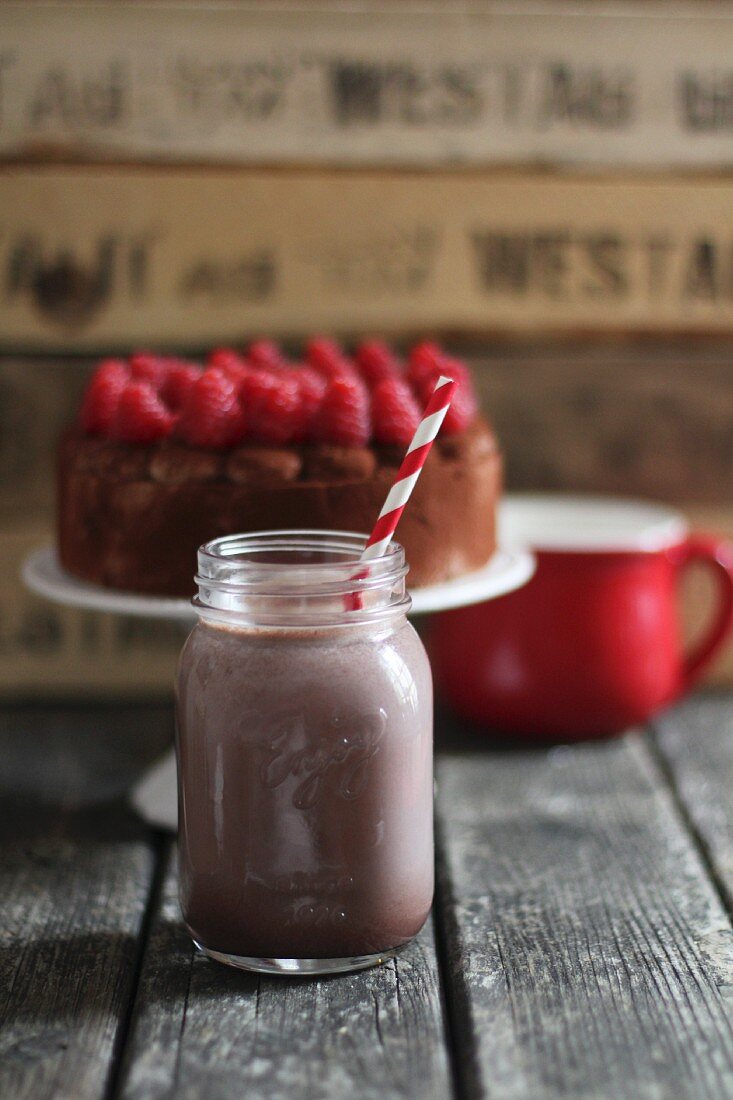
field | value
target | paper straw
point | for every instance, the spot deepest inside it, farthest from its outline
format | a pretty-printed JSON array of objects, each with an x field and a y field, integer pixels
[{"x": 409, "y": 471}]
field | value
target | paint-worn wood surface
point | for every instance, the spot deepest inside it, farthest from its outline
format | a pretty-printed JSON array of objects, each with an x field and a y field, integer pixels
[
  {"x": 589, "y": 952},
  {"x": 200, "y": 1029},
  {"x": 76, "y": 869},
  {"x": 696, "y": 745},
  {"x": 584, "y": 947}
]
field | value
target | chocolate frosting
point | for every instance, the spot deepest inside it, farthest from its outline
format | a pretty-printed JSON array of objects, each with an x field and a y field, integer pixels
[{"x": 131, "y": 517}]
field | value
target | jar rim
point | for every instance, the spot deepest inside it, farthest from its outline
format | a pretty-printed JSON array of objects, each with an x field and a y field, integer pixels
[
  {"x": 299, "y": 575},
  {"x": 228, "y": 548}
]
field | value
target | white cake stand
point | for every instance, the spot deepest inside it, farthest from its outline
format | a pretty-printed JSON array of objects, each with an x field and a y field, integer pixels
[
  {"x": 507, "y": 570},
  {"x": 155, "y": 795}
]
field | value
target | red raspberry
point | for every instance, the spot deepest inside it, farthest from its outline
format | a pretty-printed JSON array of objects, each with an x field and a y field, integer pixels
[
  {"x": 376, "y": 361},
  {"x": 311, "y": 389},
  {"x": 265, "y": 353},
  {"x": 211, "y": 415},
  {"x": 224, "y": 359},
  {"x": 321, "y": 350},
  {"x": 464, "y": 406},
  {"x": 234, "y": 365},
  {"x": 329, "y": 358},
  {"x": 99, "y": 407},
  {"x": 344, "y": 414},
  {"x": 141, "y": 415},
  {"x": 395, "y": 412},
  {"x": 271, "y": 407},
  {"x": 145, "y": 367},
  {"x": 178, "y": 382},
  {"x": 423, "y": 361}
]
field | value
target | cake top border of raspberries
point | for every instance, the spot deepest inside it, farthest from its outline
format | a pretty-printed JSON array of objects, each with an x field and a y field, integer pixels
[{"x": 260, "y": 396}]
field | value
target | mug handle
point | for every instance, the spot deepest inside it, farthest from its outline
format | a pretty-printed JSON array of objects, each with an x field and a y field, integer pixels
[{"x": 717, "y": 554}]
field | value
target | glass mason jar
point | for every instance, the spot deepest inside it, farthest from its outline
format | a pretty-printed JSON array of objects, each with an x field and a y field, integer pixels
[{"x": 304, "y": 740}]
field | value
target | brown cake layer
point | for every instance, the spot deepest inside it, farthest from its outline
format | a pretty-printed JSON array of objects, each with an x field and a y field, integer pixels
[{"x": 132, "y": 516}]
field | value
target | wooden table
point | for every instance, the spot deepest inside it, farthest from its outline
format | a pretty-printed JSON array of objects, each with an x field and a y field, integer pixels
[{"x": 581, "y": 944}]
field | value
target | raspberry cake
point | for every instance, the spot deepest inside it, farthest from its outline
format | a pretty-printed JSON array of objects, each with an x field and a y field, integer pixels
[{"x": 168, "y": 454}]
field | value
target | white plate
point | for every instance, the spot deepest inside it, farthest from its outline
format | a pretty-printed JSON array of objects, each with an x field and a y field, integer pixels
[{"x": 507, "y": 570}]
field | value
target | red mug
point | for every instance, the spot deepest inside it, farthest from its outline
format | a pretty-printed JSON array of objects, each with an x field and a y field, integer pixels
[{"x": 592, "y": 644}]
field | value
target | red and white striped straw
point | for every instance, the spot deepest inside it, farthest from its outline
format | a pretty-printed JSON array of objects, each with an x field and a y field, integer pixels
[{"x": 409, "y": 471}]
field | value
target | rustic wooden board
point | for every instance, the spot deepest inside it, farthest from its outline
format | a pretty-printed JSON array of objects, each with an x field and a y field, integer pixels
[
  {"x": 589, "y": 952},
  {"x": 641, "y": 421},
  {"x": 201, "y": 1029},
  {"x": 39, "y": 397},
  {"x": 196, "y": 255},
  {"x": 75, "y": 874},
  {"x": 480, "y": 84},
  {"x": 696, "y": 743}
]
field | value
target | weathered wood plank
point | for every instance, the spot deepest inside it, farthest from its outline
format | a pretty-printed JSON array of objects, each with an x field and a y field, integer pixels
[
  {"x": 38, "y": 397},
  {"x": 589, "y": 952},
  {"x": 203, "y": 1030},
  {"x": 696, "y": 742},
  {"x": 644, "y": 422},
  {"x": 75, "y": 873}
]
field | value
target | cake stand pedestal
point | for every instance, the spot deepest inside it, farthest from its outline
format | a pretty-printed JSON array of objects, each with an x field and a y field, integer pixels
[{"x": 154, "y": 796}]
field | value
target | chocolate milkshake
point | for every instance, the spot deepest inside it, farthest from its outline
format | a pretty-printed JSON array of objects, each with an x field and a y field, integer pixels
[{"x": 305, "y": 770}]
